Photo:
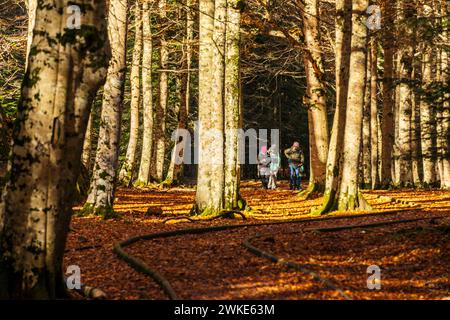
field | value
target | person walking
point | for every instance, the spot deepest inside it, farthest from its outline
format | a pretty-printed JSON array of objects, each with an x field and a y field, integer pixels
[
  {"x": 296, "y": 160},
  {"x": 275, "y": 163},
  {"x": 264, "y": 166}
]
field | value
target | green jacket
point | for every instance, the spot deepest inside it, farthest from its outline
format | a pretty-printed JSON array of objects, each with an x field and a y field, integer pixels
[{"x": 295, "y": 157}]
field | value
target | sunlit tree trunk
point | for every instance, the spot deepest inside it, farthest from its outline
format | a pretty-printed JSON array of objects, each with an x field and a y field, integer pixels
[
  {"x": 315, "y": 99},
  {"x": 232, "y": 106},
  {"x": 349, "y": 197},
  {"x": 334, "y": 161},
  {"x": 56, "y": 98},
  {"x": 87, "y": 144},
  {"x": 161, "y": 107},
  {"x": 128, "y": 167},
  {"x": 444, "y": 137},
  {"x": 210, "y": 181},
  {"x": 428, "y": 123},
  {"x": 147, "y": 97},
  {"x": 387, "y": 121},
  {"x": 406, "y": 56},
  {"x": 31, "y": 9},
  {"x": 101, "y": 193}
]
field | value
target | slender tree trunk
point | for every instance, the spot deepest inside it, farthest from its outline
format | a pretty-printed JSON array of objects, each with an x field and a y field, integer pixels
[
  {"x": 315, "y": 99},
  {"x": 175, "y": 172},
  {"x": 334, "y": 161},
  {"x": 210, "y": 181},
  {"x": 444, "y": 137},
  {"x": 32, "y": 7},
  {"x": 147, "y": 97},
  {"x": 374, "y": 119},
  {"x": 101, "y": 194},
  {"x": 128, "y": 167},
  {"x": 428, "y": 123},
  {"x": 406, "y": 56},
  {"x": 349, "y": 196},
  {"x": 56, "y": 98},
  {"x": 161, "y": 107},
  {"x": 416, "y": 154},
  {"x": 232, "y": 106},
  {"x": 387, "y": 123},
  {"x": 366, "y": 145},
  {"x": 87, "y": 144}
]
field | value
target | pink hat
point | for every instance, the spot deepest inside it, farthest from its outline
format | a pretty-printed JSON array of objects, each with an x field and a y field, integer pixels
[{"x": 264, "y": 149}]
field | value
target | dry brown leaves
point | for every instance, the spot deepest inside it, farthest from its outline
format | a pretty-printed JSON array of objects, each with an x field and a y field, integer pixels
[{"x": 413, "y": 256}]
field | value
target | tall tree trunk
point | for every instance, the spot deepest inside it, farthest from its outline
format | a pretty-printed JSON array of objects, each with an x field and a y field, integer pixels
[
  {"x": 406, "y": 56},
  {"x": 128, "y": 167},
  {"x": 444, "y": 137},
  {"x": 315, "y": 99},
  {"x": 387, "y": 123},
  {"x": 428, "y": 123},
  {"x": 87, "y": 144},
  {"x": 232, "y": 106},
  {"x": 161, "y": 107},
  {"x": 56, "y": 98},
  {"x": 334, "y": 161},
  {"x": 366, "y": 143},
  {"x": 147, "y": 97},
  {"x": 101, "y": 194},
  {"x": 175, "y": 171},
  {"x": 210, "y": 181},
  {"x": 349, "y": 197},
  {"x": 31, "y": 8},
  {"x": 374, "y": 119}
]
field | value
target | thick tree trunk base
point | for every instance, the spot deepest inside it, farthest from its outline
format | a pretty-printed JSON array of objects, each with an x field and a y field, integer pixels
[
  {"x": 104, "y": 212},
  {"x": 208, "y": 212},
  {"x": 332, "y": 204},
  {"x": 313, "y": 190}
]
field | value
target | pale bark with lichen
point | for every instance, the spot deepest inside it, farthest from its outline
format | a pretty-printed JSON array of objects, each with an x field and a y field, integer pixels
[
  {"x": 56, "y": 98},
  {"x": 101, "y": 194}
]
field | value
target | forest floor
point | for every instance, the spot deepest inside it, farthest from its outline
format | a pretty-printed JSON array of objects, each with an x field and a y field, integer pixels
[{"x": 413, "y": 255}]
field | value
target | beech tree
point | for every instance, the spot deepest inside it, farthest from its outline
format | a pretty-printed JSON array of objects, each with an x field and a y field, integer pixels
[
  {"x": 175, "y": 171},
  {"x": 315, "y": 98},
  {"x": 144, "y": 177},
  {"x": 128, "y": 167},
  {"x": 344, "y": 193},
  {"x": 101, "y": 193},
  {"x": 161, "y": 106},
  {"x": 219, "y": 108},
  {"x": 59, "y": 86}
]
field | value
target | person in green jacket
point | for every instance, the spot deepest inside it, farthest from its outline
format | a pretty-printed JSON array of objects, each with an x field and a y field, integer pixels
[{"x": 296, "y": 160}]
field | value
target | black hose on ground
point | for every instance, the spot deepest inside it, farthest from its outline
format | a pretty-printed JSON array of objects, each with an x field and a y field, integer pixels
[{"x": 140, "y": 266}]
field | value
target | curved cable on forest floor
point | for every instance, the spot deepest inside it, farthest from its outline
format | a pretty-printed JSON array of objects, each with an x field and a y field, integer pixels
[
  {"x": 292, "y": 265},
  {"x": 142, "y": 267}
]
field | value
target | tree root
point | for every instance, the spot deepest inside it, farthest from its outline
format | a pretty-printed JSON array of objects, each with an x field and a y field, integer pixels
[
  {"x": 308, "y": 193},
  {"x": 225, "y": 214}
]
